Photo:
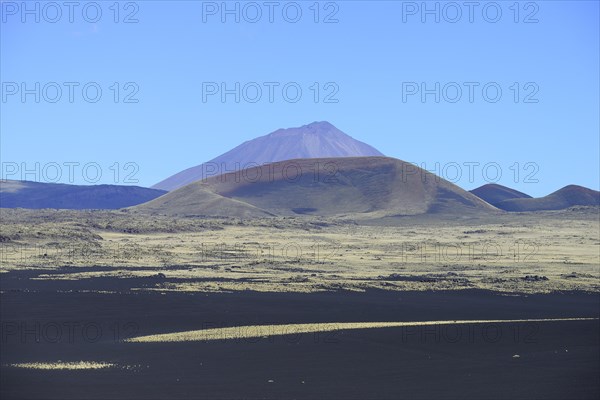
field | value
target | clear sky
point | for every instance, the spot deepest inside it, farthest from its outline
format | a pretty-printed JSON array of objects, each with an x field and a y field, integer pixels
[{"x": 371, "y": 61}]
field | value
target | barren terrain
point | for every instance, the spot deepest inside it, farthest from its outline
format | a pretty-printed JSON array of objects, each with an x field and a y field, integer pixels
[{"x": 517, "y": 253}]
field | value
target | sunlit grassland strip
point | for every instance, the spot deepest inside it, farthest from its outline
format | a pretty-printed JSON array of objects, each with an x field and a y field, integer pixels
[
  {"x": 79, "y": 365},
  {"x": 257, "y": 331}
]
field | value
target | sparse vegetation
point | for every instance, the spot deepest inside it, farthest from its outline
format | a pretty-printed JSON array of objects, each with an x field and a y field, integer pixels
[{"x": 507, "y": 253}]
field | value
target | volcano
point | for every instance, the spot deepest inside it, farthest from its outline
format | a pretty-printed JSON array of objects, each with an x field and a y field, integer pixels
[{"x": 315, "y": 140}]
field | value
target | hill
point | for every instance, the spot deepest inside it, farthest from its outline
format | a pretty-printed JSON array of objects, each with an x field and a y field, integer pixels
[
  {"x": 358, "y": 186},
  {"x": 26, "y": 194},
  {"x": 494, "y": 193},
  {"x": 569, "y": 196}
]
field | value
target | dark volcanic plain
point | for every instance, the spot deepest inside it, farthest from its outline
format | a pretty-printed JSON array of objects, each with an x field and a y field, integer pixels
[{"x": 555, "y": 359}]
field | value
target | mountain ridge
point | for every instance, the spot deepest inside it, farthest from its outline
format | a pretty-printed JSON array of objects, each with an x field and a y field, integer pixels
[{"x": 37, "y": 195}]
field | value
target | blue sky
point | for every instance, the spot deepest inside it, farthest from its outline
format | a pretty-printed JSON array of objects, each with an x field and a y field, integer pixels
[{"x": 541, "y": 136}]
